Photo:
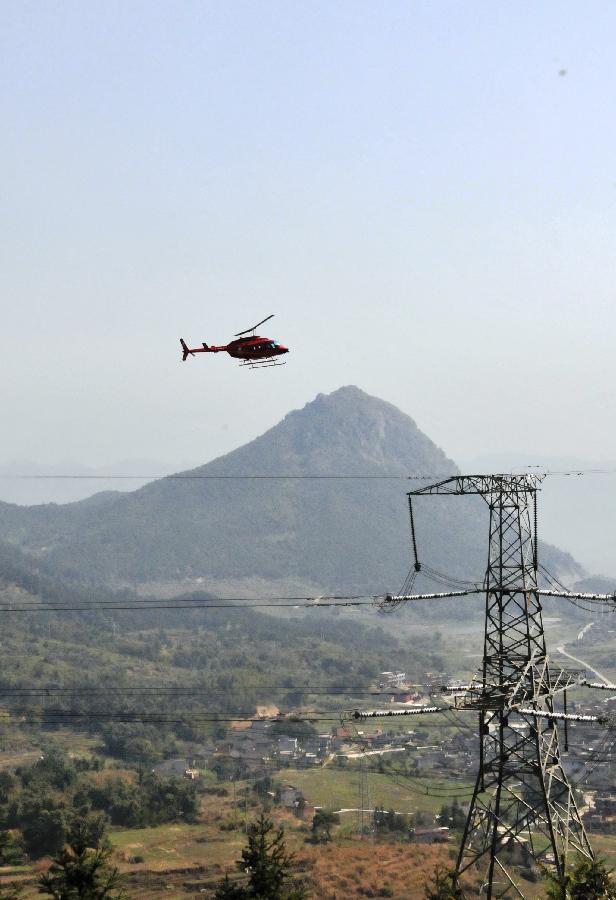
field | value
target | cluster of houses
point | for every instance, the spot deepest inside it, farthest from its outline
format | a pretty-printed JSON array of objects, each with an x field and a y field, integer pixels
[
  {"x": 600, "y": 810},
  {"x": 262, "y": 741},
  {"x": 253, "y": 744},
  {"x": 258, "y": 744}
]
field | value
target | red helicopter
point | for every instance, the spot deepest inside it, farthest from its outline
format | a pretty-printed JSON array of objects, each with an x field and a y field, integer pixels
[{"x": 253, "y": 351}]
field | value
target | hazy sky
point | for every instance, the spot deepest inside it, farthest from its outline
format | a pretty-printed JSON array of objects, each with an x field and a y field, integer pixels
[{"x": 414, "y": 189}]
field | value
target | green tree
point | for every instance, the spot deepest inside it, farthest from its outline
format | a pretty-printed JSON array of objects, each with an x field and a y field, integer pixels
[
  {"x": 322, "y": 823},
  {"x": 11, "y": 849},
  {"x": 452, "y": 816},
  {"x": 267, "y": 864},
  {"x": 11, "y": 892},
  {"x": 80, "y": 872},
  {"x": 266, "y": 859},
  {"x": 229, "y": 891},
  {"x": 389, "y": 820},
  {"x": 263, "y": 786},
  {"x": 442, "y": 887},
  {"x": 588, "y": 879},
  {"x": 43, "y": 826},
  {"x": 54, "y": 768}
]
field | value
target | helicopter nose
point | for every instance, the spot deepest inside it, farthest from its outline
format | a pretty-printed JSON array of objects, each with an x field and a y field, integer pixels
[{"x": 282, "y": 348}]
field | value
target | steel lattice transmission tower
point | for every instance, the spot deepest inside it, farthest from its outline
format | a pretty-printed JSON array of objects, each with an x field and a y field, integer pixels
[{"x": 523, "y": 808}]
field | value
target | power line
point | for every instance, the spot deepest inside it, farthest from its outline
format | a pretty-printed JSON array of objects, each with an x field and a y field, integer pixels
[
  {"x": 197, "y": 477},
  {"x": 424, "y": 791},
  {"x": 414, "y": 789},
  {"x": 38, "y": 713},
  {"x": 182, "y": 603},
  {"x": 79, "y": 476},
  {"x": 197, "y": 597},
  {"x": 192, "y": 691},
  {"x": 196, "y": 602},
  {"x": 55, "y": 715}
]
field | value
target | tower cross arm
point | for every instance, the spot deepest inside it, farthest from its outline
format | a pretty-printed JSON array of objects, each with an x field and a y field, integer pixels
[
  {"x": 565, "y": 717},
  {"x": 578, "y": 595},
  {"x": 393, "y": 713},
  {"x": 395, "y": 599},
  {"x": 483, "y": 485}
]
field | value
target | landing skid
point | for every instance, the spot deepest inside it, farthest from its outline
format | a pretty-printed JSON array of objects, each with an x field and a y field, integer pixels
[{"x": 260, "y": 364}]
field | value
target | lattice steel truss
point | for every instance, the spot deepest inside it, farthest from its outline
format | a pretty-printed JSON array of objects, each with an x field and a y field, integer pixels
[
  {"x": 523, "y": 809},
  {"x": 365, "y": 813}
]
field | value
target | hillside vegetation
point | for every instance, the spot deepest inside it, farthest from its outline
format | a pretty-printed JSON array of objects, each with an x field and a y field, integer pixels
[{"x": 233, "y": 658}]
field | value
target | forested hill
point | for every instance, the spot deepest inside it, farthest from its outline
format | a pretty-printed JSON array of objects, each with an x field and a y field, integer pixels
[
  {"x": 256, "y": 658},
  {"x": 321, "y": 535}
]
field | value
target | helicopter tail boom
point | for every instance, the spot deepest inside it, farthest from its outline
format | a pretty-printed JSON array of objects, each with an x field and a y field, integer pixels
[{"x": 204, "y": 348}]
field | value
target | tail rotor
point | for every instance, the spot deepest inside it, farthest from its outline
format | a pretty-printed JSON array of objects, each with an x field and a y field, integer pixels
[{"x": 185, "y": 350}]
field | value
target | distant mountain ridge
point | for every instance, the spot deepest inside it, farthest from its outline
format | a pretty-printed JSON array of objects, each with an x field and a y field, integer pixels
[
  {"x": 29, "y": 483},
  {"x": 217, "y": 529}
]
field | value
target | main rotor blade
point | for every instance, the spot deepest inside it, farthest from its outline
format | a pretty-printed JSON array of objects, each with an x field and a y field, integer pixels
[{"x": 240, "y": 333}]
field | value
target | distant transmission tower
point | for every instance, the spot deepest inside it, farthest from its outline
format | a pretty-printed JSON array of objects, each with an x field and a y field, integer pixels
[
  {"x": 523, "y": 809},
  {"x": 364, "y": 810}
]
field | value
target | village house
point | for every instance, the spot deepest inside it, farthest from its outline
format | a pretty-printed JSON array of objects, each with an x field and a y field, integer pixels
[
  {"x": 606, "y": 806},
  {"x": 308, "y": 759},
  {"x": 288, "y": 796},
  {"x": 341, "y": 736},
  {"x": 288, "y": 745},
  {"x": 389, "y": 680},
  {"x": 324, "y": 743},
  {"x": 176, "y": 766},
  {"x": 407, "y": 697}
]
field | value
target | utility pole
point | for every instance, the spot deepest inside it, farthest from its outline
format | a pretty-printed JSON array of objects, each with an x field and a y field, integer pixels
[{"x": 523, "y": 809}]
